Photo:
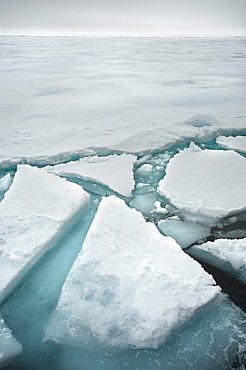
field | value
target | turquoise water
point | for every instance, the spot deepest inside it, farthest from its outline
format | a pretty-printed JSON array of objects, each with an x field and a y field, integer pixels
[{"x": 214, "y": 341}]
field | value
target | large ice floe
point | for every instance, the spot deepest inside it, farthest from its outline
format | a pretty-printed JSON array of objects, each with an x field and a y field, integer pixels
[
  {"x": 205, "y": 185},
  {"x": 114, "y": 171},
  {"x": 226, "y": 254},
  {"x": 129, "y": 287},
  {"x": 237, "y": 143},
  {"x": 36, "y": 212},
  {"x": 9, "y": 346}
]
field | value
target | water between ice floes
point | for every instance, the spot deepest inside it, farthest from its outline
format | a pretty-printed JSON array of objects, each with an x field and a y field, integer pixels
[{"x": 27, "y": 310}]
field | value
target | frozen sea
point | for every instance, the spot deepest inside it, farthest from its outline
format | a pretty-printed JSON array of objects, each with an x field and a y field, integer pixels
[{"x": 131, "y": 148}]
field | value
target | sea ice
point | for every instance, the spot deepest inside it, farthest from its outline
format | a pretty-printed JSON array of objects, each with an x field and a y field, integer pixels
[
  {"x": 5, "y": 182},
  {"x": 9, "y": 346},
  {"x": 130, "y": 286},
  {"x": 114, "y": 171},
  {"x": 37, "y": 211},
  {"x": 205, "y": 185},
  {"x": 226, "y": 254},
  {"x": 237, "y": 143},
  {"x": 144, "y": 202},
  {"x": 184, "y": 232}
]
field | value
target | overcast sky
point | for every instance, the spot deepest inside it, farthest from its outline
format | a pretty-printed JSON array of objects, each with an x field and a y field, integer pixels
[{"x": 123, "y": 17}]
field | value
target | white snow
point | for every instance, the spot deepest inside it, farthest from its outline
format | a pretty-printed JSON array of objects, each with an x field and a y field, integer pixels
[
  {"x": 124, "y": 93},
  {"x": 185, "y": 233},
  {"x": 237, "y": 143},
  {"x": 9, "y": 346},
  {"x": 130, "y": 286},
  {"x": 37, "y": 211},
  {"x": 205, "y": 184},
  {"x": 159, "y": 209},
  {"x": 5, "y": 182},
  {"x": 227, "y": 254},
  {"x": 114, "y": 171}
]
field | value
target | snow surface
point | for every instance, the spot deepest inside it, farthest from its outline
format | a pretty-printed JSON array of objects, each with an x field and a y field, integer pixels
[
  {"x": 130, "y": 94},
  {"x": 237, "y": 143},
  {"x": 114, "y": 171},
  {"x": 130, "y": 286},
  {"x": 37, "y": 211},
  {"x": 226, "y": 254},
  {"x": 9, "y": 346},
  {"x": 205, "y": 184},
  {"x": 185, "y": 233}
]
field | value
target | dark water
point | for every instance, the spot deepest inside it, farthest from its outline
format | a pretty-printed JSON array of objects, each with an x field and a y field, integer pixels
[{"x": 235, "y": 289}]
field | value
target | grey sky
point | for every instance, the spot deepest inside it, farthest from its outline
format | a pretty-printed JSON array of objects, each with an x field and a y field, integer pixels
[{"x": 124, "y": 17}]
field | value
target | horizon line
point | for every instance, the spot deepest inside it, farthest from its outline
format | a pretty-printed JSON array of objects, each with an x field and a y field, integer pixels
[{"x": 121, "y": 35}]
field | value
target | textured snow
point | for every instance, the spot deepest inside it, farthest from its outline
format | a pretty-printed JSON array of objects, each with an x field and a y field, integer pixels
[
  {"x": 37, "y": 211},
  {"x": 237, "y": 143},
  {"x": 114, "y": 171},
  {"x": 185, "y": 233},
  {"x": 9, "y": 346},
  {"x": 205, "y": 184},
  {"x": 121, "y": 93},
  {"x": 226, "y": 254},
  {"x": 130, "y": 286}
]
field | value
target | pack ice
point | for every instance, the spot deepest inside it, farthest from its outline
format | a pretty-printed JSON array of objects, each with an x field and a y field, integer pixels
[
  {"x": 37, "y": 211},
  {"x": 130, "y": 286},
  {"x": 205, "y": 185},
  {"x": 226, "y": 254},
  {"x": 114, "y": 171},
  {"x": 9, "y": 346}
]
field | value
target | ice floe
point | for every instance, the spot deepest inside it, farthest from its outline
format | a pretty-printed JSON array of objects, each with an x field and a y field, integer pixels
[
  {"x": 226, "y": 254},
  {"x": 37, "y": 211},
  {"x": 9, "y": 346},
  {"x": 237, "y": 143},
  {"x": 184, "y": 232},
  {"x": 130, "y": 286},
  {"x": 205, "y": 185},
  {"x": 114, "y": 171}
]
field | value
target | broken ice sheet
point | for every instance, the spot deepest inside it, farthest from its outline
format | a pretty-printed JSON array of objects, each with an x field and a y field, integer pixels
[
  {"x": 226, "y": 254},
  {"x": 185, "y": 233},
  {"x": 129, "y": 287},
  {"x": 205, "y": 185},
  {"x": 114, "y": 171},
  {"x": 9, "y": 346},
  {"x": 37, "y": 211},
  {"x": 237, "y": 143}
]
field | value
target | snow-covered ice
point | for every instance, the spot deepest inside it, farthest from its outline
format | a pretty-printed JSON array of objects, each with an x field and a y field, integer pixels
[
  {"x": 37, "y": 211},
  {"x": 9, "y": 345},
  {"x": 66, "y": 98},
  {"x": 114, "y": 171},
  {"x": 185, "y": 233},
  {"x": 237, "y": 143},
  {"x": 130, "y": 286},
  {"x": 114, "y": 89},
  {"x": 205, "y": 185},
  {"x": 226, "y": 254}
]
